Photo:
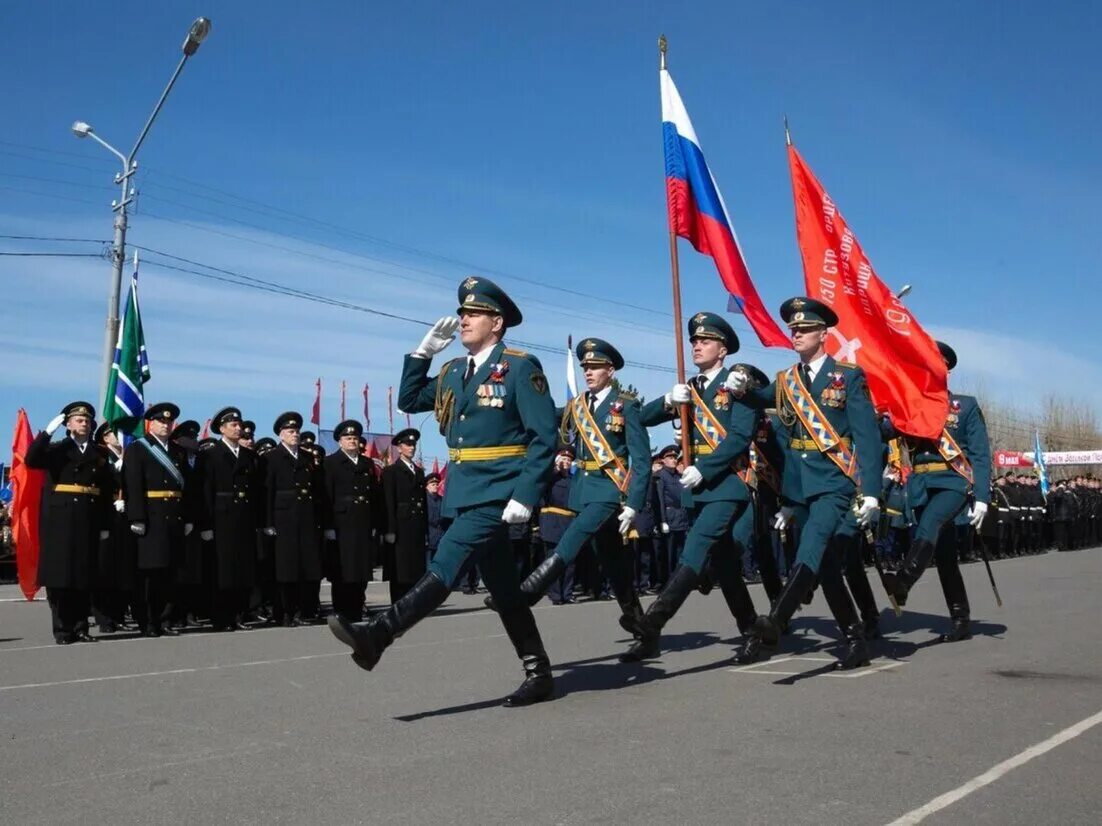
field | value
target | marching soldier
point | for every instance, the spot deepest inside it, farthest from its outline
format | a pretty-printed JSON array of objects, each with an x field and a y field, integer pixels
[
  {"x": 946, "y": 474},
  {"x": 293, "y": 488},
  {"x": 231, "y": 503},
  {"x": 499, "y": 421},
  {"x": 407, "y": 515},
  {"x": 722, "y": 427},
  {"x": 611, "y": 488},
  {"x": 159, "y": 516},
  {"x": 352, "y": 497},
  {"x": 835, "y": 441},
  {"x": 76, "y": 516}
]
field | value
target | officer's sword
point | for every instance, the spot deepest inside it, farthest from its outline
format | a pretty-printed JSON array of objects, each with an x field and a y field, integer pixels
[
  {"x": 882, "y": 526},
  {"x": 987, "y": 565}
]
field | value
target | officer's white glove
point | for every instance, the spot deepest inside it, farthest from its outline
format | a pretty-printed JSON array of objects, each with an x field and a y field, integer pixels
[
  {"x": 869, "y": 506},
  {"x": 625, "y": 517},
  {"x": 977, "y": 513},
  {"x": 691, "y": 477},
  {"x": 783, "y": 518},
  {"x": 440, "y": 336},
  {"x": 138, "y": 528},
  {"x": 737, "y": 382},
  {"x": 389, "y": 538},
  {"x": 120, "y": 506},
  {"x": 55, "y": 423},
  {"x": 515, "y": 513},
  {"x": 206, "y": 536},
  {"x": 269, "y": 531},
  {"x": 188, "y": 528},
  {"x": 679, "y": 394},
  {"x": 331, "y": 534},
  {"x": 665, "y": 527},
  {"x": 677, "y": 435},
  {"x": 104, "y": 534}
]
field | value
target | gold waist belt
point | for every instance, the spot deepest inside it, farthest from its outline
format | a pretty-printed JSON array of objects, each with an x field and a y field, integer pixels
[
  {"x": 559, "y": 511},
  {"x": 485, "y": 454},
  {"x": 810, "y": 444},
  {"x": 87, "y": 490},
  {"x": 164, "y": 494},
  {"x": 930, "y": 467}
]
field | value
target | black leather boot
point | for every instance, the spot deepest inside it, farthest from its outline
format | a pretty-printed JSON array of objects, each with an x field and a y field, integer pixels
[
  {"x": 856, "y": 652},
  {"x": 682, "y": 582},
  {"x": 369, "y": 639},
  {"x": 536, "y": 583},
  {"x": 538, "y": 684},
  {"x": 952, "y": 585},
  {"x": 899, "y": 584},
  {"x": 800, "y": 583},
  {"x": 858, "y": 581}
]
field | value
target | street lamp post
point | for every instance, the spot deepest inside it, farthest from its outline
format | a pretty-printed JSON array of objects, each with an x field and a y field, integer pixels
[{"x": 196, "y": 35}]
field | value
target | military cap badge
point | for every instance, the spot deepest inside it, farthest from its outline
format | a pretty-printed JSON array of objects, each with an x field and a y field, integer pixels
[{"x": 469, "y": 283}]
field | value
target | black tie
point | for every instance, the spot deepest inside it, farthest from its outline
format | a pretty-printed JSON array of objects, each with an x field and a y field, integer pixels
[
  {"x": 805, "y": 374},
  {"x": 592, "y": 401},
  {"x": 698, "y": 383},
  {"x": 470, "y": 370}
]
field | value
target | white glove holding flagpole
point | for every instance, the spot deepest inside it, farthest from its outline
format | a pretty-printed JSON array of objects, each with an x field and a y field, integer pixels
[
  {"x": 691, "y": 477},
  {"x": 438, "y": 338},
  {"x": 679, "y": 394},
  {"x": 864, "y": 513},
  {"x": 783, "y": 518}
]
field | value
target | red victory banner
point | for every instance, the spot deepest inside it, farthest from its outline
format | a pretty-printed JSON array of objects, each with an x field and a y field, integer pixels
[
  {"x": 315, "y": 413},
  {"x": 27, "y": 487},
  {"x": 906, "y": 373}
]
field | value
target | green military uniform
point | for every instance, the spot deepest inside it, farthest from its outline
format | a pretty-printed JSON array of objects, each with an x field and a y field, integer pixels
[
  {"x": 613, "y": 469},
  {"x": 835, "y": 401},
  {"x": 939, "y": 489},
  {"x": 725, "y": 426},
  {"x": 499, "y": 422}
]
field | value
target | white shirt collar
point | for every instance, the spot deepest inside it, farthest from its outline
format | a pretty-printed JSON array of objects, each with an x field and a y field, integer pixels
[
  {"x": 481, "y": 356},
  {"x": 601, "y": 396},
  {"x": 233, "y": 448},
  {"x": 710, "y": 375},
  {"x": 814, "y": 366},
  {"x": 81, "y": 446},
  {"x": 158, "y": 441},
  {"x": 409, "y": 464},
  {"x": 292, "y": 452},
  {"x": 354, "y": 458}
]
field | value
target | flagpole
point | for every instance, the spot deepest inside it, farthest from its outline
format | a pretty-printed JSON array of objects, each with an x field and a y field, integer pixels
[{"x": 675, "y": 274}]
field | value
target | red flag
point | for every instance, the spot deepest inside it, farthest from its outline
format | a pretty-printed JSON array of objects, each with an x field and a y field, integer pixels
[
  {"x": 315, "y": 416},
  {"x": 27, "y": 485},
  {"x": 367, "y": 412},
  {"x": 390, "y": 407},
  {"x": 206, "y": 431},
  {"x": 906, "y": 373},
  {"x": 443, "y": 479},
  {"x": 435, "y": 465},
  {"x": 342, "y": 400}
]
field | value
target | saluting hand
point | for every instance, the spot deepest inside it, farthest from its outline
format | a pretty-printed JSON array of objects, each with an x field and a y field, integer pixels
[
  {"x": 438, "y": 338},
  {"x": 55, "y": 423}
]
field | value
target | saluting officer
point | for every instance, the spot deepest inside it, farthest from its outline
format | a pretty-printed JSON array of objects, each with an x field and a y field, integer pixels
[
  {"x": 159, "y": 517},
  {"x": 407, "y": 524},
  {"x": 232, "y": 500},
  {"x": 946, "y": 474},
  {"x": 499, "y": 421},
  {"x": 353, "y": 502},
  {"x": 835, "y": 462},
  {"x": 76, "y": 516},
  {"x": 293, "y": 488}
]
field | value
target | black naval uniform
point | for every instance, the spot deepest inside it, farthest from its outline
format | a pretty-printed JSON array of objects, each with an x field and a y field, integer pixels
[
  {"x": 293, "y": 497},
  {"x": 353, "y": 498},
  {"x": 155, "y": 500},
  {"x": 231, "y": 501},
  {"x": 116, "y": 562},
  {"x": 407, "y": 519},
  {"x": 76, "y": 508}
]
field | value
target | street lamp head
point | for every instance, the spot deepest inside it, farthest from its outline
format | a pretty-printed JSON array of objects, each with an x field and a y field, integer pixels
[
  {"x": 906, "y": 288},
  {"x": 81, "y": 129},
  {"x": 196, "y": 35}
]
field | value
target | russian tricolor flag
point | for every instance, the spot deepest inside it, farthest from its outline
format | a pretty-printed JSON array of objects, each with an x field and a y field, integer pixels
[{"x": 697, "y": 212}]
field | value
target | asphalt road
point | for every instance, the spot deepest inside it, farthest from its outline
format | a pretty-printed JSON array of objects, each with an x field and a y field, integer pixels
[{"x": 278, "y": 726}]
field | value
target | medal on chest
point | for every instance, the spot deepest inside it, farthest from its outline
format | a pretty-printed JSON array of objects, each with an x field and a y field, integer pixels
[
  {"x": 492, "y": 393},
  {"x": 722, "y": 399},
  {"x": 834, "y": 394},
  {"x": 614, "y": 422},
  {"x": 953, "y": 419}
]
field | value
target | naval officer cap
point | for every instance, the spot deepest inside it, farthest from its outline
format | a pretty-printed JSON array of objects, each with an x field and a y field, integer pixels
[
  {"x": 78, "y": 409},
  {"x": 669, "y": 450},
  {"x": 947, "y": 353},
  {"x": 265, "y": 444},
  {"x": 248, "y": 429},
  {"x": 225, "y": 416},
  {"x": 307, "y": 437},
  {"x": 100, "y": 436},
  {"x": 409, "y": 436},
  {"x": 483, "y": 295},
  {"x": 803, "y": 313},
  {"x": 599, "y": 352},
  {"x": 287, "y": 421},
  {"x": 349, "y": 427},
  {"x": 713, "y": 325},
  {"x": 162, "y": 412},
  {"x": 188, "y": 428}
]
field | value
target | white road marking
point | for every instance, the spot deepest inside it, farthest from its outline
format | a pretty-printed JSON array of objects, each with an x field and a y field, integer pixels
[
  {"x": 197, "y": 669},
  {"x": 757, "y": 668},
  {"x": 995, "y": 772}
]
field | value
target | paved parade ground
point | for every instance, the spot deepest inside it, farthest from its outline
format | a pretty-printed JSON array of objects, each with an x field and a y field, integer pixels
[{"x": 277, "y": 725}]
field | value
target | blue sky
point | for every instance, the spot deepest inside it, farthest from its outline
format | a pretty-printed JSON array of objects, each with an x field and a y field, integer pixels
[{"x": 418, "y": 143}]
